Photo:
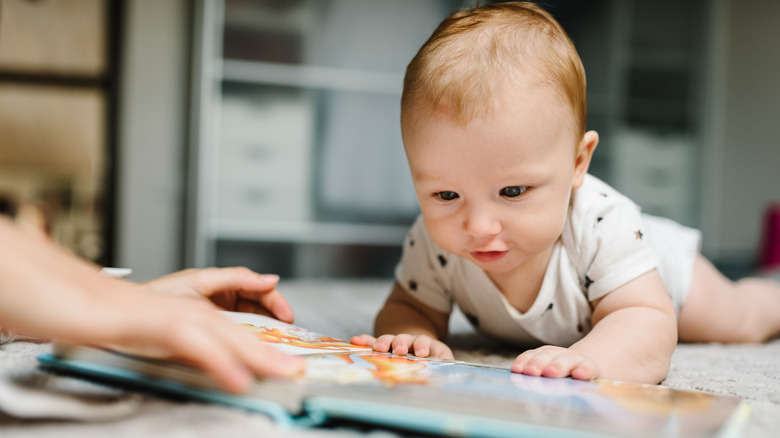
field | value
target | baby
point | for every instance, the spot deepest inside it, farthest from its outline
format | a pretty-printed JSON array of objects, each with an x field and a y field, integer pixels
[{"x": 513, "y": 230}]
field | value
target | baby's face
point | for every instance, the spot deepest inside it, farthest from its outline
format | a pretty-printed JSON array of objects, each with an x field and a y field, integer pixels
[{"x": 495, "y": 190}]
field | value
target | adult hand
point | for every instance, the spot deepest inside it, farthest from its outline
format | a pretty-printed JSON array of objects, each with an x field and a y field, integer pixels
[
  {"x": 236, "y": 289},
  {"x": 49, "y": 293},
  {"x": 157, "y": 325}
]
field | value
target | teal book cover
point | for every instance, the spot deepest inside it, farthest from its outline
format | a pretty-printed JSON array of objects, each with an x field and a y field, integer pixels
[{"x": 347, "y": 382}]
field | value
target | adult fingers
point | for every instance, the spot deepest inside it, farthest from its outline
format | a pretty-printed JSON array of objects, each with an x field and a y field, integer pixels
[
  {"x": 261, "y": 358},
  {"x": 260, "y": 290},
  {"x": 274, "y": 302},
  {"x": 201, "y": 348},
  {"x": 230, "y": 354},
  {"x": 250, "y": 307},
  {"x": 248, "y": 286},
  {"x": 211, "y": 280},
  {"x": 186, "y": 329}
]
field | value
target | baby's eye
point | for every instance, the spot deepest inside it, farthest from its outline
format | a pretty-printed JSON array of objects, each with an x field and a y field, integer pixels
[
  {"x": 513, "y": 191},
  {"x": 446, "y": 195}
]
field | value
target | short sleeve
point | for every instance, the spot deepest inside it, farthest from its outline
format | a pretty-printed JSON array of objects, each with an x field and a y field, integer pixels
[
  {"x": 421, "y": 271},
  {"x": 610, "y": 239}
]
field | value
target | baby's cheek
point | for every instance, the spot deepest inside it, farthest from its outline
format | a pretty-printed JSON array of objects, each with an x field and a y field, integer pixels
[{"x": 446, "y": 235}]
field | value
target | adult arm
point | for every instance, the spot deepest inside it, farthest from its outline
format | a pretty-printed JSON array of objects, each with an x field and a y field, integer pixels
[{"x": 47, "y": 292}]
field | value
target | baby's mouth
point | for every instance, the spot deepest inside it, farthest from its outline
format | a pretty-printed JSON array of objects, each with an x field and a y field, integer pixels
[{"x": 488, "y": 256}]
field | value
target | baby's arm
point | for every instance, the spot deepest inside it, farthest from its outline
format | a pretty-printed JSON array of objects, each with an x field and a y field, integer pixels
[
  {"x": 633, "y": 338},
  {"x": 408, "y": 326}
]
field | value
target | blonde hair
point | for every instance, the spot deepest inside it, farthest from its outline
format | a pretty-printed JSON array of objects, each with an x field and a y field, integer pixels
[{"x": 474, "y": 56}]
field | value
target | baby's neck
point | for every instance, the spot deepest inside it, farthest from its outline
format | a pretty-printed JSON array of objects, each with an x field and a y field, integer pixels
[{"x": 521, "y": 286}]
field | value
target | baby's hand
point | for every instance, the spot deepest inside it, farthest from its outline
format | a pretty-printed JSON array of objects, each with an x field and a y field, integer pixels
[
  {"x": 420, "y": 346},
  {"x": 551, "y": 361}
]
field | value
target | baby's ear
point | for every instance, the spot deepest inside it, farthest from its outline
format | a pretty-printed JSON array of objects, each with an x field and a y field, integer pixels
[{"x": 584, "y": 154}]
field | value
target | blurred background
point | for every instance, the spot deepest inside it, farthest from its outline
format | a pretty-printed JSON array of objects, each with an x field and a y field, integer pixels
[{"x": 158, "y": 135}]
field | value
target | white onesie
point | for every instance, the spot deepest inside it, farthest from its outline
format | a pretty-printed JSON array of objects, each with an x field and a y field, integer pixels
[{"x": 605, "y": 243}]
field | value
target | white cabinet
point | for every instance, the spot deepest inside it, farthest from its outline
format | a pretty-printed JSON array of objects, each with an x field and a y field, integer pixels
[
  {"x": 296, "y": 161},
  {"x": 658, "y": 171},
  {"x": 264, "y": 170}
]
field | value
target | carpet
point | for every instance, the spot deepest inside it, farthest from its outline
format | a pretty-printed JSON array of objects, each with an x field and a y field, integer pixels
[{"x": 339, "y": 309}]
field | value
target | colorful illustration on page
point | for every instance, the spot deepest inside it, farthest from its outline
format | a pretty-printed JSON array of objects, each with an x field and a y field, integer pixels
[
  {"x": 382, "y": 368},
  {"x": 289, "y": 338},
  {"x": 302, "y": 339}
]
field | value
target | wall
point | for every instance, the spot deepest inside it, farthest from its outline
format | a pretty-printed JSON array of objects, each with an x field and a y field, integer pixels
[
  {"x": 152, "y": 135},
  {"x": 751, "y": 129}
]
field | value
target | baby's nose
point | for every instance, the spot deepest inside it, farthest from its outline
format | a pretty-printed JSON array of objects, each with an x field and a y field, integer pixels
[{"x": 482, "y": 223}]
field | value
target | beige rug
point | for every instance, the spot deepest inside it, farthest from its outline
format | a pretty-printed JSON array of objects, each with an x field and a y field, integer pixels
[{"x": 340, "y": 309}]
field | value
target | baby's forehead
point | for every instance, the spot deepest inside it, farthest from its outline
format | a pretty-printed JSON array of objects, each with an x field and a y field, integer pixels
[{"x": 513, "y": 96}]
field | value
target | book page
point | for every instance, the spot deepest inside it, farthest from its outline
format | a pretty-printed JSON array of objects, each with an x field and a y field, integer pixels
[
  {"x": 450, "y": 392},
  {"x": 292, "y": 339}
]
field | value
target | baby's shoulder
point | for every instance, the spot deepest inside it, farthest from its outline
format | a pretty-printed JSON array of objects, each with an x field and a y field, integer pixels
[
  {"x": 596, "y": 201},
  {"x": 598, "y": 213}
]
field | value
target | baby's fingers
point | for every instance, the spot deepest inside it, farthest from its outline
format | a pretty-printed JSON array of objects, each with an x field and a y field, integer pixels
[
  {"x": 522, "y": 364},
  {"x": 425, "y": 346},
  {"x": 561, "y": 365},
  {"x": 383, "y": 343},
  {"x": 441, "y": 350},
  {"x": 422, "y": 346},
  {"x": 402, "y": 344},
  {"x": 571, "y": 363},
  {"x": 555, "y": 362},
  {"x": 534, "y": 362},
  {"x": 586, "y": 370},
  {"x": 364, "y": 339}
]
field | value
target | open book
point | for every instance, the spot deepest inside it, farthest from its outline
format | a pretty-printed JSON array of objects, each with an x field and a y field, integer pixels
[{"x": 344, "y": 381}]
